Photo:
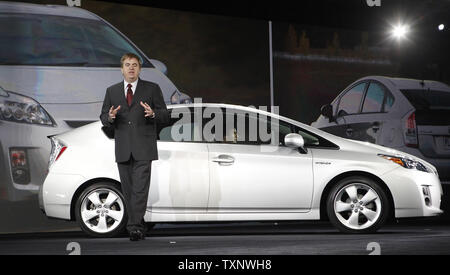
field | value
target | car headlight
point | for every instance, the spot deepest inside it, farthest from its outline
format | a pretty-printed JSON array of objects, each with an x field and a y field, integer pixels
[
  {"x": 407, "y": 163},
  {"x": 179, "y": 98},
  {"x": 22, "y": 109},
  {"x": 186, "y": 100},
  {"x": 175, "y": 97}
]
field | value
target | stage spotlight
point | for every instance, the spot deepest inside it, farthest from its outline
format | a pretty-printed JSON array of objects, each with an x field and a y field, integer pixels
[
  {"x": 441, "y": 27},
  {"x": 400, "y": 31}
]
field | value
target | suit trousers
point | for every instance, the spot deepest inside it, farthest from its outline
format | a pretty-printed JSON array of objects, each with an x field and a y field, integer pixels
[{"x": 135, "y": 177}]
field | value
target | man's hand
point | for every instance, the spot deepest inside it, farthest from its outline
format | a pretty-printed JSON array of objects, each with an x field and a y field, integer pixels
[
  {"x": 113, "y": 112},
  {"x": 148, "y": 111}
]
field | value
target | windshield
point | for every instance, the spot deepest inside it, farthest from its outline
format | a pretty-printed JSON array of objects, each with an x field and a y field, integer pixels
[
  {"x": 34, "y": 39},
  {"x": 428, "y": 99}
]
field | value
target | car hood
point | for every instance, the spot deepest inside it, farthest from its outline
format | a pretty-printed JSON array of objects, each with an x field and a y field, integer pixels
[
  {"x": 62, "y": 85},
  {"x": 368, "y": 147}
]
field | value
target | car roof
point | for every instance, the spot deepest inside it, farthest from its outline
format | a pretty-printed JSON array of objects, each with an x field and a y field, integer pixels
[
  {"x": 219, "y": 105},
  {"x": 58, "y": 10},
  {"x": 410, "y": 84},
  {"x": 240, "y": 108},
  {"x": 252, "y": 109}
]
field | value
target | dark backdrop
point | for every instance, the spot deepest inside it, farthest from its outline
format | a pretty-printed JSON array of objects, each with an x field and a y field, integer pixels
[{"x": 219, "y": 51}]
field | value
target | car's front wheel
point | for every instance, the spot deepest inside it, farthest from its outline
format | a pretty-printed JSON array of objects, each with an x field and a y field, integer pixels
[
  {"x": 357, "y": 205},
  {"x": 100, "y": 210}
]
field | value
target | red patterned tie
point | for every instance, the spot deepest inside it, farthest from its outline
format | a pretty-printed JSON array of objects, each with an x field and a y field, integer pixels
[{"x": 129, "y": 94}]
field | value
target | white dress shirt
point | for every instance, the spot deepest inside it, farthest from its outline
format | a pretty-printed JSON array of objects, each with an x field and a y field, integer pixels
[{"x": 133, "y": 86}]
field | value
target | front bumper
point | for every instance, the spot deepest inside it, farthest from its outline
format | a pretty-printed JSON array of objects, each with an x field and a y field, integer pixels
[
  {"x": 406, "y": 186},
  {"x": 31, "y": 139}
]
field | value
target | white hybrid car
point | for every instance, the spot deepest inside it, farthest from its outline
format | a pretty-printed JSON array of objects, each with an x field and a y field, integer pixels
[{"x": 308, "y": 175}]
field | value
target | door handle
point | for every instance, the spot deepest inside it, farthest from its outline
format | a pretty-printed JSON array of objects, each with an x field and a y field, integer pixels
[
  {"x": 224, "y": 159},
  {"x": 375, "y": 126},
  {"x": 349, "y": 131}
]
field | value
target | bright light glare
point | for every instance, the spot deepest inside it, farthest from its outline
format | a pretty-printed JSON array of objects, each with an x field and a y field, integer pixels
[
  {"x": 441, "y": 27},
  {"x": 400, "y": 31}
]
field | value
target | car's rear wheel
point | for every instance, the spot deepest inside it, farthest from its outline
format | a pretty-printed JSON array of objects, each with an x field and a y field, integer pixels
[
  {"x": 357, "y": 205},
  {"x": 100, "y": 210}
]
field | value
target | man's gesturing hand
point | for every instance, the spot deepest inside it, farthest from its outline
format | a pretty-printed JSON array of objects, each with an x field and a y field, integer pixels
[
  {"x": 113, "y": 112},
  {"x": 148, "y": 111}
]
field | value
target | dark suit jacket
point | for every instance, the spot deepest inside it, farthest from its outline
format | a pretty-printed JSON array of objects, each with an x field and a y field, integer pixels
[{"x": 133, "y": 132}]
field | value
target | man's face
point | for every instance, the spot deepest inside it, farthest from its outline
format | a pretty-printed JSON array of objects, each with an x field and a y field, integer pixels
[{"x": 131, "y": 69}]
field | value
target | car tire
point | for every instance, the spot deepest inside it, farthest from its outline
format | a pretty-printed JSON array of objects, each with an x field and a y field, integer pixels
[
  {"x": 100, "y": 210},
  {"x": 358, "y": 205}
]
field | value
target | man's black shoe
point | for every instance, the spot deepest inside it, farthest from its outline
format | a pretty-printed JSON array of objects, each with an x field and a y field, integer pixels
[{"x": 136, "y": 235}]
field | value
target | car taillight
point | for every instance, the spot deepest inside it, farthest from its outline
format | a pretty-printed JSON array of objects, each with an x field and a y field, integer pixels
[
  {"x": 20, "y": 170},
  {"x": 58, "y": 147},
  {"x": 60, "y": 152},
  {"x": 411, "y": 139}
]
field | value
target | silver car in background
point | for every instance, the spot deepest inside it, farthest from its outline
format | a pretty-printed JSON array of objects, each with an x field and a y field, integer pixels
[
  {"x": 55, "y": 65},
  {"x": 409, "y": 115}
]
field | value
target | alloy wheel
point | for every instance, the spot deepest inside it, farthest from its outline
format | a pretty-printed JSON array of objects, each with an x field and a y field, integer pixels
[
  {"x": 357, "y": 206},
  {"x": 102, "y": 210}
]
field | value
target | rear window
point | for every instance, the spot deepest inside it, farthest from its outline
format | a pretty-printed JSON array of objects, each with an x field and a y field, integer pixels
[
  {"x": 31, "y": 39},
  {"x": 428, "y": 99}
]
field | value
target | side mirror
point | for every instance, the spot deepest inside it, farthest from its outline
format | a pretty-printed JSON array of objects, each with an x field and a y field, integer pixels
[
  {"x": 295, "y": 141},
  {"x": 327, "y": 111}
]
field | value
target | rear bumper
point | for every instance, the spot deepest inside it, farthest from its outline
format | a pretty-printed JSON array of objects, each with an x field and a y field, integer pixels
[
  {"x": 41, "y": 198},
  {"x": 57, "y": 193},
  {"x": 406, "y": 187}
]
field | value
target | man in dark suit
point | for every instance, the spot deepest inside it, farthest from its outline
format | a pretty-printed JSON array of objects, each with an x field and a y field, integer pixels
[{"x": 132, "y": 108}]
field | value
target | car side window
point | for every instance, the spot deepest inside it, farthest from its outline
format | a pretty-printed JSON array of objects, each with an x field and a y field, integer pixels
[
  {"x": 286, "y": 128},
  {"x": 351, "y": 100},
  {"x": 310, "y": 139},
  {"x": 230, "y": 126},
  {"x": 373, "y": 102},
  {"x": 245, "y": 130},
  {"x": 178, "y": 129},
  {"x": 241, "y": 127},
  {"x": 388, "y": 102},
  {"x": 334, "y": 105}
]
